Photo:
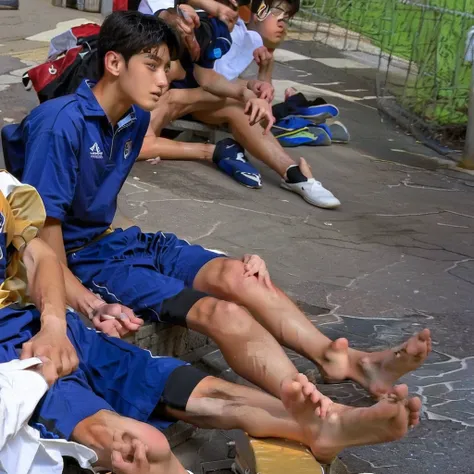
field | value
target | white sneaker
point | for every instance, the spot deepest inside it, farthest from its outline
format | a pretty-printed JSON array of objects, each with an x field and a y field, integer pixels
[{"x": 312, "y": 191}]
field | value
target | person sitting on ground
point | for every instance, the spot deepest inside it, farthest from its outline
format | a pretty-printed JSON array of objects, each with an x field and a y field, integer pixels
[
  {"x": 78, "y": 151},
  {"x": 44, "y": 355},
  {"x": 93, "y": 381},
  {"x": 214, "y": 100}
]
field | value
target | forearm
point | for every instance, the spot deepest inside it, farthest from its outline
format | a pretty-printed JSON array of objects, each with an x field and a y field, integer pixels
[
  {"x": 76, "y": 295},
  {"x": 265, "y": 73},
  {"x": 209, "y": 6},
  {"x": 218, "y": 85},
  {"x": 46, "y": 281}
]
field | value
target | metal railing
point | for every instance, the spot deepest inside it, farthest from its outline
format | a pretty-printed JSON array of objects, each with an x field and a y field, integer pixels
[{"x": 423, "y": 78}]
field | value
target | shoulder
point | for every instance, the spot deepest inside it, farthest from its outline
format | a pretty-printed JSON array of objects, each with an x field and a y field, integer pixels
[{"x": 56, "y": 114}]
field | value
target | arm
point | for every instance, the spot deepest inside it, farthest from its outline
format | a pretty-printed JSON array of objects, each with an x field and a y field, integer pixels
[
  {"x": 47, "y": 291},
  {"x": 213, "y": 8},
  {"x": 265, "y": 71},
  {"x": 106, "y": 317},
  {"x": 257, "y": 109},
  {"x": 215, "y": 83},
  {"x": 51, "y": 167}
]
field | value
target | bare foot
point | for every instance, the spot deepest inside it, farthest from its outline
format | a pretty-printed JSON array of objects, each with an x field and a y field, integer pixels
[
  {"x": 376, "y": 371},
  {"x": 344, "y": 426}
]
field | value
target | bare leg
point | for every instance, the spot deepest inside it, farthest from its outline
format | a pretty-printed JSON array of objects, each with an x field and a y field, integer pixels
[
  {"x": 249, "y": 349},
  {"x": 219, "y": 404},
  {"x": 97, "y": 432},
  {"x": 264, "y": 147},
  {"x": 377, "y": 372}
]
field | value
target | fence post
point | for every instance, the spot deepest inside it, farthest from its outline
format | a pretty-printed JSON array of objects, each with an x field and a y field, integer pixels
[{"x": 468, "y": 155}]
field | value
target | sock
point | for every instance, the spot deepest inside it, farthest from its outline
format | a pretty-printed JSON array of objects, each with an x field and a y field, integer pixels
[{"x": 294, "y": 174}]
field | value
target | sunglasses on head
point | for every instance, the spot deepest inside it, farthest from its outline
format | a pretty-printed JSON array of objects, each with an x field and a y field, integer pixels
[{"x": 279, "y": 13}]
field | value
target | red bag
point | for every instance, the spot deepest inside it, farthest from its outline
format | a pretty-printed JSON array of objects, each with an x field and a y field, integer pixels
[{"x": 120, "y": 5}]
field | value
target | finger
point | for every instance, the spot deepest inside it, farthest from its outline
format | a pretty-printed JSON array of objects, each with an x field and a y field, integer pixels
[
  {"x": 65, "y": 365},
  {"x": 73, "y": 360},
  {"x": 131, "y": 316},
  {"x": 140, "y": 458},
  {"x": 26, "y": 351},
  {"x": 260, "y": 115},
  {"x": 54, "y": 355},
  {"x": 111, "y": 328},
  {"x": 118, "y": 463},
  {"x": 246, "y": 258},
  {"x": 184, "y": 27},
  {"x": 49, "y": 372},
  {"x": 270, "y": 123},
  {"x": 128, "y": 324},
  {"x": 256, "y": 56},
  {"x": 248, "y": 106},
  {"x": 253, "y": 115},
  {"x": 252, "y": 267}
]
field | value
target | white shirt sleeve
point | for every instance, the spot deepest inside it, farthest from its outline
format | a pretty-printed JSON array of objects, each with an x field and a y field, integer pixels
[
  {"x": 149, "y": 7},
  {"x": 20, "y": 392}
]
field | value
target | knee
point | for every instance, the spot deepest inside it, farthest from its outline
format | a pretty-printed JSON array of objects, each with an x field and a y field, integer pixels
[
  {"x": 97, "y": 432},
  {"x": 231, "y": 279},
  {"x": 222, "y": 318}
]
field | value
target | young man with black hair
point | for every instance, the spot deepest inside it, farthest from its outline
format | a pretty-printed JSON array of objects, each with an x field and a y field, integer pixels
[{"x": 78, "y": 151}]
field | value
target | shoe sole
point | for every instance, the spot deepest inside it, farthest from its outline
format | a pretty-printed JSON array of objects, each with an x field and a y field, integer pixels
[
  {"x": 340, "y": 133},
  {"x": 322, "y": 206}
]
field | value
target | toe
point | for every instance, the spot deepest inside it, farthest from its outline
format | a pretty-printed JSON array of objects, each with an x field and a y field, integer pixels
[{"x": 400, "y": 391}]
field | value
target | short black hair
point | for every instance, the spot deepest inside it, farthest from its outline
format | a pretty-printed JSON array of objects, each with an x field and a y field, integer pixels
[
  {"x": 293, "y": 4},
  {"x": 129, "y": 33}
]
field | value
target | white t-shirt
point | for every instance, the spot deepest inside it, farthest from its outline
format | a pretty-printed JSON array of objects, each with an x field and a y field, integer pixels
[
  {"x": 240, "y": 55},
  {"x": 149, "y": 7},
  {"x": 21, "y": 448}
]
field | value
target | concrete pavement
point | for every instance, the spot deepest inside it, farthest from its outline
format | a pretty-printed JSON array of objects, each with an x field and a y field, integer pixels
[{"x": 397, "y": 256}]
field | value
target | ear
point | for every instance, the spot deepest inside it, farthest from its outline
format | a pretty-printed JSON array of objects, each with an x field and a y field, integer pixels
[{"x": 113, "y": 63}]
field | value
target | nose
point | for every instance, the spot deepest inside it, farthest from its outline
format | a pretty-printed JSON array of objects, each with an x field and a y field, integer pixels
[{"x": 162, "y": 79}]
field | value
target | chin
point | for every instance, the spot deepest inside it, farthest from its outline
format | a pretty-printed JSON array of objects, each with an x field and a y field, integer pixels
[{"x": 147, "y": 105}]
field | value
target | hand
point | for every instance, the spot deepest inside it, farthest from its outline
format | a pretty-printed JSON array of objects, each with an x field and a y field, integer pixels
[
  {"x": 255, "y": 266},
  {"x": 263, "y": 57},
  {"x": 47, "y": 370},
  {"x": 115, "y": 320},
  {"x": 154, "y": 161},
  {"x": 260, "y": 110},
  {"x": 129, "y": 455},
  {"x": 263, "y": 90},
  {"x": 52, "y": 343},
  {"x": 227, "y": 15},
  {"x": 185, "y": 21}
]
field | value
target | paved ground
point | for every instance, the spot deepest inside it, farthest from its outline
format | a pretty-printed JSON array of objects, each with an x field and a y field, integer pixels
[{"x": 397, "y": 256}]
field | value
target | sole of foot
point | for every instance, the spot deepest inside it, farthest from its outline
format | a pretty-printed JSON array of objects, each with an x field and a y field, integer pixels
[
  {"x": 345, "y": 427},
  {"x": 377, "y": 371}
]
